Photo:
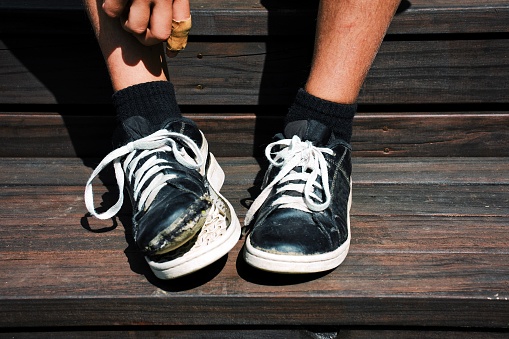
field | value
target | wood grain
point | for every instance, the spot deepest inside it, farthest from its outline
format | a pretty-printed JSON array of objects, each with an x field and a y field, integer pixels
[
  {"x": 244, "y": 171},
  {"x": 218, "y": 332},
  {"x": 417, "y": 252},
  {"x": 259, "y": 72},
  {"x": 428, "y": 257},
  {"x": 260, "y": 17},
  {"x": 404, "y": 72},
  {"x": 376, "y": 134}
]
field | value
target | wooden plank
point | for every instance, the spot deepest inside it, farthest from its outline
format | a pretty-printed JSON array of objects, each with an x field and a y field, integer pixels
[
  {"x": 404, "y": 72},
  {"x": 381, "y": 134},
  {"x": 192, "y": 310},
  {"x": 259, "y": 72},
  {"x": 446, "y": 134},
  {"x": 432, "y": 200},
  {"x": 181, "y": 332},
  {"x": 417, "y": 252},
  {"x": 98, "y": 288},
  {"x": 420, "y": 333},
  {"x": 246, "y": 333},
  {"x": 32, "y": 73},
  {"x": 63, "y": 222},
  {"x": 258, "y": 17},
  {"x": 244, "y": 171}
]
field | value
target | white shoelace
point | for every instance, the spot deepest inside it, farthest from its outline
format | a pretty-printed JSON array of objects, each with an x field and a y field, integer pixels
[
  {"x": 310, "y": 159},
  {"x": 160, "y": 141}
]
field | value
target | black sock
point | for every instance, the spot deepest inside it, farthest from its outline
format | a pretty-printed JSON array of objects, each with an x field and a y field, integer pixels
[
  {"x": 143, "y": 109},
  {"x": 155, "y": 101},
  {"x": 338, "y": 117}
]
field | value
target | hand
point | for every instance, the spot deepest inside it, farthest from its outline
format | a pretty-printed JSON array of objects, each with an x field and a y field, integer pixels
[{"x": 148, "y": 20}]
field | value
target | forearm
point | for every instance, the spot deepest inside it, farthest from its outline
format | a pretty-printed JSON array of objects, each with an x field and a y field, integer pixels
[{"x": 128, "y": 61}]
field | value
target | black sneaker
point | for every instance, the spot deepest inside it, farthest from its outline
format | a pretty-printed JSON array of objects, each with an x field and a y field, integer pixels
[
  {"x": 174, "y": 184},
  {"x": 301, "y": 220}
]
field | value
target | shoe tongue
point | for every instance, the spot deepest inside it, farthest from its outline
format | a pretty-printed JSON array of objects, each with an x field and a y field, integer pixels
[
  {"x": 138, "y": 127},
  {"x": 309, "y": 130},
  {"x": 186, "y": 127},
  {"x": 131, "y": 129}
]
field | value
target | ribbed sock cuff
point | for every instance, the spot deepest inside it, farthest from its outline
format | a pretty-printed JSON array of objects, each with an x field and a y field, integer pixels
[
  {"x": 338, "y": 117},
  {"x": 154, "y": 101}
]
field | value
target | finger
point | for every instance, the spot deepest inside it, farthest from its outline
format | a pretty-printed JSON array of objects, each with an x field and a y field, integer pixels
[
  {"x": 160, "y": 22},
  {"x": 178, "y": 37},
  {"x": 114, "y": 8},
  {"x": 181, "y": 25},
  {"x": 138, "y": 18},
  {"x": 181, "y": 10}
]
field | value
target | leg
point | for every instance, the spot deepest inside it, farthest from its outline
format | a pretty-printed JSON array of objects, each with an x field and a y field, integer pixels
[
  {"x": 349, "y": 33},
  {"x": 301, "y": 220},
  {"x": 137, "y": 72},
  {"x": 172, "y": 179}
]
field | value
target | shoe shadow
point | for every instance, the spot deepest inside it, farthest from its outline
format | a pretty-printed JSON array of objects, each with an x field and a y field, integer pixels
[
  {"x": 139, "y": 265},
  {"x": 135, "y": 258},
  {"x": 105, "y": 182}
]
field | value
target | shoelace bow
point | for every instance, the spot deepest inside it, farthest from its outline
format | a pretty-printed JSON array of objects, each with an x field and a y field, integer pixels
[
  {"x": 310, "y": 159},
  {"x": 160, "y": 141}
]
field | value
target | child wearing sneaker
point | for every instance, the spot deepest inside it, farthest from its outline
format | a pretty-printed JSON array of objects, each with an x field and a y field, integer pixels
[{"x": 300, "y": 223}]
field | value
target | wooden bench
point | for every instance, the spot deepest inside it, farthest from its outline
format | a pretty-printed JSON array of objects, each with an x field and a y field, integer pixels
[{"x": 430, "y": 219}]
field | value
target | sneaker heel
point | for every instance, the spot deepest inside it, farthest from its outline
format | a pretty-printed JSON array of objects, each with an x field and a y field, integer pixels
[{"x": 215, "y": 174}]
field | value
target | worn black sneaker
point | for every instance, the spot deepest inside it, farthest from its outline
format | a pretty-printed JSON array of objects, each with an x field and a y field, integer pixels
[
  {"x": 301, "y": 220},
  {"x": 173, "y": 182}
]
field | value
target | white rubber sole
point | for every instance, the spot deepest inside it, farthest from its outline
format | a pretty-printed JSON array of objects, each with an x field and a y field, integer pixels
[
  {"x": 196, "y": 259},
  {"x": 294, "y": 264}
]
